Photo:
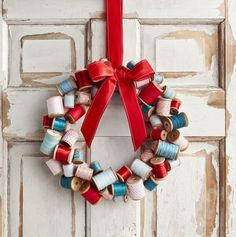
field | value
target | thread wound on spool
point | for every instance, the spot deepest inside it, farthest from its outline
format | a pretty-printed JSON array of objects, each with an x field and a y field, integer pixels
[
  {"x": 74, "y": 114},
  {"x": 70, "y": 138},
  {"x": 124, "y": 173},
  {"x": 135, "y": 187},
  {"x": 151, "y": 183},
  {"x": 163, "y": 106},
  {"x": 141, "y": 169},
  {"x": 55, "y": 106},
  {"x": 66, "y": 86},
  {"x": 63, "y": 154},
  {"x": 159, "y": 168},
  {"x": 167, "y": 150},
  {"x": 174, "y": 106},
  {"x": 158, "y": 134},
  {"x": 176, "y": 138},
  {"x": 83, "y": 80},
  {"x": 147, "y": 155}
]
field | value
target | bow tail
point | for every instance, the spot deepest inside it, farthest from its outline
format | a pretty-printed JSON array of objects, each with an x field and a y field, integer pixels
[
  {"x": 133, "y": 113},
  {"x": 97, "y": 108}
]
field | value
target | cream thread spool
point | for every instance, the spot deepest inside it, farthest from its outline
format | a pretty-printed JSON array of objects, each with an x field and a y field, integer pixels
[
  {"x": 83, "y": 97},
  {"x": 176, "y": 138},
  {"x": 70, "y": 138},
  {"x": 136, "y": 189},
  {"x": 155, "y": 121},
  {"x": 141, "y": 169},
  {"x": 69, "y": 100},
  {"x": 105, "y": 178},
  {"x": 147, "y": 155},
  {"x": 84, "y": 172},
  {"x": 68, "y": 170},
  {"x": 163, "y": 107},
  {"x": 50, "y": 141},
  {"x": 54, "y": 166},
  {"x": 55, "y": 106},
  {"x": 106, "y": 194}
]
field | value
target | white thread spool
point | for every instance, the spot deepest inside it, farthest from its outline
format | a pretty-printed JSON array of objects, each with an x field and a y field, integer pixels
[
  {"x": 141, "y": 84},
  {"x": 83, "y": 97},
  {"x": 174, "y": 163},
  {"x": 69, "y": 100},
  {"x": 55, "y": 106},
  {"x": 105, "y": 178},
  {"x": 68, "y": 170},
  {"x": 163, "y": 107},
  {"x": 155, "y": 121},
  {"x": 136, "y": 189},
  {"x": 70, "y": 137},
  {"x": 106, "y": 194},
  {"x": 84, "y": 172},
  {"x": 147, "y": 155},
  {"x": 141, "y": 169},
  {"x": 54, "y": 166},
  {"x": 176, "y": 138}
]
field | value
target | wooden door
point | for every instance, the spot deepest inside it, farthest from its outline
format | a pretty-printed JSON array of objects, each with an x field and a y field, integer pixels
[{"x": 193, "y": 43}]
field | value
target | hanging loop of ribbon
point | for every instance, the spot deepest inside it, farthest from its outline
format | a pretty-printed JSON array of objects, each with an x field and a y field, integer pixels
[
  {"x": 124, "y": 79},
  {"x": 113, "y": 74}
]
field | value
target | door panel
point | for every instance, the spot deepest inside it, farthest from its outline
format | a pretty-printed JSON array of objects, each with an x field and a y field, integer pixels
[{"x": 44, "y": 41}]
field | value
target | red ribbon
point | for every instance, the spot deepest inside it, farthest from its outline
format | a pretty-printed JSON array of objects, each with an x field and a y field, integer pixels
[{"x": 116, "y": 75}]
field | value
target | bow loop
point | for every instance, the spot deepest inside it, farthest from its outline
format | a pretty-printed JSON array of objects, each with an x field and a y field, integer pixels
[{"x": 99, "y": 70}]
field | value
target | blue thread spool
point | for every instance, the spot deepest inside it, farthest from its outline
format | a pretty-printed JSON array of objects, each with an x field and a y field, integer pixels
[
  {"x": 78, "y": 157},
  {"x": 118, "y": 189},
  {"x": 131, "y": 64},
  {"x": 141, "y": 169},
  {"x": 151, "y": 183},
  {"x": 175, "y": 122},
  {"x": 104, "y": 179},
  {"x": 168, "y": 93},
  {"x": 66, "y": 86},
  {"x": 158, "y": 78},
  {"x": 69, "y": 100},
  {"x": 51, "y": 139},
  {"x": 167, "y": 150},
  {"x": 174, "y": 163},
  {"x": 95, "y": 165},
  {"x": 72, "y": 183},
  {"x": 147, "y": 109},
  {"x": 59, "y": 124}
]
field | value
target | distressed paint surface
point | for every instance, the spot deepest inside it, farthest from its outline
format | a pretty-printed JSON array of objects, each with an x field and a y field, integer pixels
[{"x": 199, "y": 83}]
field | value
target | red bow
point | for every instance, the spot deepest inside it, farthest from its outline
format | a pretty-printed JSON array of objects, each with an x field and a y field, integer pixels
[{"x": 124, "y": 79}]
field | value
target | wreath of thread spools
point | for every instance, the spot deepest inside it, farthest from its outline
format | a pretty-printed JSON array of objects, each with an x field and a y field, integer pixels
[{"x": 160, "y": 107}]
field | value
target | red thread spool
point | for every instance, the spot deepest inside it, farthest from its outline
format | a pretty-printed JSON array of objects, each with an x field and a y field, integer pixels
[
  {"x": 150, "y": 93},
  {"x": 75, "y": 113},
  {"x": 82, "y": 79},
  {"x": 158, "y": 134},
  {"x": 159, "y": 168},
  {"x": 90, "y": 194},
  {"x": 174, "y": 106},
  {"x": 124, "y": 173},
  {"x": 63, "y": 154},
  {"x": 167, "y": 165},
  {"x": 47, "y": 122}
]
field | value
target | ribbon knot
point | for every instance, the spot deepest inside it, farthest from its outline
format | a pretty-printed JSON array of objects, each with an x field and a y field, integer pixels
[{"x": 124, "y": 79}]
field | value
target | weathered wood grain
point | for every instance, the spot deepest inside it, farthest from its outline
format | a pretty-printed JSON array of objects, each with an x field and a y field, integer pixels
[
  {"x": 24, "y": 122},
  {"x": 139, "y": 9},
  {"x": 38, "y": 206},
  {"x": 187, "y": 201},
  {"x": 230, "y": 157}
]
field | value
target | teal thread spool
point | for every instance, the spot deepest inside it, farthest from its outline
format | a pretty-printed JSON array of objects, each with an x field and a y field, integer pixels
[
  {"x": 168, "y": 93},
  {"x": 175, "y": 122},
  {"x": 158, "y": 78},
  {"x": 147, "y": 109},
  {"x": 119, "y": 189},
  {"x": 151, "y": 183},
  {"x": 131, "y": 64},
  {"x": 95, "y": 165},
  {"x": 66, "y": 86},
  {"x": 59, "y": 124},
  {"x": 78, "y": 157},
  {"x": 51, "y": 139},
  {"x": 72, "y": 183},
  {"x": 167, "y": 150}
]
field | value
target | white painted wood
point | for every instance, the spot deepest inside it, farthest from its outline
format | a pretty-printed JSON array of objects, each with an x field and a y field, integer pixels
[
  {"x": 118, "y": 218},
  {"x": 185, "y": 54},
  {"x": 75, "y": 9},
  {"x": 31, "y": 61},
  {"x": 114, "y": 121},
  {"x": 37, "y": 213}
]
